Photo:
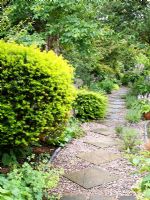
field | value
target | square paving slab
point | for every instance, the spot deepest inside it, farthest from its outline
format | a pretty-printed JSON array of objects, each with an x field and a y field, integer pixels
[
  {"x": 98, "y": 157},
  {"x": 116, "y": 106},
  {"x": 91, "y": 177},
  {"x": 102, "y": 131},
  {"x": 74, "y": 197},
  {"x": 127, "y": 198},
  {"x": 98, "y": 197},
  {"x": 101, "y": 144}
]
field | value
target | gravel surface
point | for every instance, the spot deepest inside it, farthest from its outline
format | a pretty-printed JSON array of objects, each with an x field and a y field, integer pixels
[{"x": 67, "y": 157}]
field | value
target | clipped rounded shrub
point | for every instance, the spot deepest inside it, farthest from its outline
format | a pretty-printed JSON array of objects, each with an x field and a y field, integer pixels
[
  {"x": 36, "y": 94},
  {"x": 107, "y": 85},
  {"x": 90, "y": 105}
]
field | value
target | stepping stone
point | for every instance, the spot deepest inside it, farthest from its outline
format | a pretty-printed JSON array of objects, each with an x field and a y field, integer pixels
[
  {"x": 102, "y": 131},
  {"x": 74, "y": 197},
  {"x": 116, "y": 106},
  {"x": 98, "y": 197},
  {"x": 98, "y": 157},
  {"x": 101, "y": 144},
  {"x": 91, "y": 177},
  {"x": 127, "y": 198},
  {"x": 117, "y": 103},
  {"x": 113, "y": 117}
]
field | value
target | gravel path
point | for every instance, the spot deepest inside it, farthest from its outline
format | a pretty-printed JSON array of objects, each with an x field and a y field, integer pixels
[{"x": 67, "y": 158}]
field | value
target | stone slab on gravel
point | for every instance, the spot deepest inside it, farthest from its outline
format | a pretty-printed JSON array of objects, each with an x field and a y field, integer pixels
[
  {"x": 91, "y": 177},
  {"x": 118, "y": 103},
  {"x": 101, "y": 144},
  {"x": 103, "y": 138},
  {"x": 116, "y": 106},
  {"x": 127, "y": 198},
  {"x": 74, "y": 197},
  {"x": 98, "y": 157},
  {"x": 102, "y": 131},
  {"x": 98, "y": 197}
]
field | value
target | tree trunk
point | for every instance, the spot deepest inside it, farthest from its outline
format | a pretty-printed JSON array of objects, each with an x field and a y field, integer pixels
[{"x": 53, "y": 44}]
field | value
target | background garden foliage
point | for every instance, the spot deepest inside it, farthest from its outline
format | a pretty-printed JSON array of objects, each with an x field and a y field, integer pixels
[{"x": 36, "y": 94}]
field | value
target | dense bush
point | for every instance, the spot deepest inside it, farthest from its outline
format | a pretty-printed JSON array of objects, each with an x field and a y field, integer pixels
[
  {"x": 129, "y": 77},
  {"x": 90, "y": 105},
  {"x": 142, "y": 86},
  {"x": 36, "y": 94}
]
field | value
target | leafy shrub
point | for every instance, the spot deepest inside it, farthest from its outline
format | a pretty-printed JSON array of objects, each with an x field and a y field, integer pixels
[
  {"x": 133, "y": 115},
  {"x": 36, "y": 94},
  {"x": 131, "y": 101},
  {"x": 90, "y": 105},
  {"x": 28, "y": 183},
  {"x": 145, "y": 108},
  {"x": 141, "y": 162},
  {"x": 129, "y": 77},
  {"x": 141, "y": 86},
  {"x": 107, "y": 85},
  {"x": 116, "y": 86},
  {"x": 95, "y": 87},
  {"x": 129, "y": 137},
  {"x": 73, "y": 130}
]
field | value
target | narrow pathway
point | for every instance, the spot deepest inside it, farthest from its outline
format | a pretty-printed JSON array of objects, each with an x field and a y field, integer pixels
[{"x": 94, "y": 166}]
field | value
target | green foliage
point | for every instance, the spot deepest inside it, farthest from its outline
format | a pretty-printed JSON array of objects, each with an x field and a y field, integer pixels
[
  {"x": 145, "y": 106},
  {"x": 90, "y": 105},
  {"x": 36, "y": 94},
  {"x": 142, "y": 162},
  {"x": 129, "y": 138},
  {"x": 73, "y": 130},
  {"x": 130, "y": 18},
  {"x": 96, "y": 87},
  {"x": 133, "y": 115},
  {"x": 38, "y": 22},
  {"x": 131, "y": 101},
  {"x": 9, "y": 159},
  {"x": 107, "y": 86},
  {"x": 27, "y": 183},
  {"x": 129, "y": 77},
  {"x": 134, "y": 109},
  {"x": 119, "y": 130},
  {"x": 141, "y": 86}
]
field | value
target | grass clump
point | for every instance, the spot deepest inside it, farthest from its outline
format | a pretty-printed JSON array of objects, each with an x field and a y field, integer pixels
[
  {"x": 133, "y": 115},
  {"x": 129, "y": 137}
]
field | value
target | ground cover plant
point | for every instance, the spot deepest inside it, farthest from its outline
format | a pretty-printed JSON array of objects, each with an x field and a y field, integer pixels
[
  {"x": 141, "y": 161},
  {"x": 26, "y": 182}
]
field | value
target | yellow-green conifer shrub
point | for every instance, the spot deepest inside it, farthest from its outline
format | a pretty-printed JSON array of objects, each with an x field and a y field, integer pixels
[
  {"x": 90, "y": 105},
  {"x": 36, "y": 94}
]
